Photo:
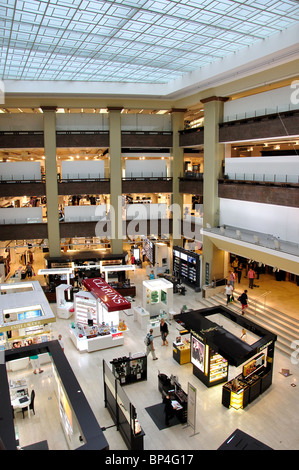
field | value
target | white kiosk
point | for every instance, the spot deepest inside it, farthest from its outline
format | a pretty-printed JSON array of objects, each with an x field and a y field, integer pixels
[
  {"x": 157, "y": 296},
  {"x": 98, "y": 324},
  {"x": 64, "y": 308}
]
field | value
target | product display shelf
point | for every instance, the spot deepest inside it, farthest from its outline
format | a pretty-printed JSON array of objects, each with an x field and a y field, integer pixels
[
  {"x": 218, "y": 367},
  {"x": 130, "y": 369},
  {"x": 84, "y": 305},
  {"x": 244, "y": 390},
  {"x": 87, "y": 339}
]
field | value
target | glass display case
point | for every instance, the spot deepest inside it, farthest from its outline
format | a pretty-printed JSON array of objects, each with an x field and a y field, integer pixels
[
  {"x": 187, "y": 267},
  {"x": 208, "y": 365}
]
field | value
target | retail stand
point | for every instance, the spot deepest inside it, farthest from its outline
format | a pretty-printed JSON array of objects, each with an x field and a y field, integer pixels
[
  {"x": 98, "y": 324},
  {"x": 157, "y": 296},
  {"x": 142, "y": 316},
  {"x": 181, "y": 349},
  {"x": 82, "y": 430},
  {"x": 64, "y": 307},
  {"x": 214, "y": 348},
  {"x": 25, "y": 315},
  {"x": 187, "y": 267},
  {"x": 130, "y": 369},
  {"x": 122, "y": 411},
  {"x": 246, "y": 387}
]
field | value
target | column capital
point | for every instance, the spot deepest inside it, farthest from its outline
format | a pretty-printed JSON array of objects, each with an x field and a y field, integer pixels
[
  {"x": 48, "y": 108},
  {"x": 214, "y": 98}
]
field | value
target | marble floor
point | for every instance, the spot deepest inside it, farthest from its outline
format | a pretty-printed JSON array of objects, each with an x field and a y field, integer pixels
[{"x": 272, "y": 418}]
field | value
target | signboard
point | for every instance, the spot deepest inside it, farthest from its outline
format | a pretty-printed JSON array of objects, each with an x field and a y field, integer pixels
[
  {"x": 191, "y": 410},
  {"x": 106, "y": 294}
]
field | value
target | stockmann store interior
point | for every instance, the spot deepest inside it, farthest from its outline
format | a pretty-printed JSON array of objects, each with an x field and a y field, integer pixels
[{"x": 149, "y": 211}]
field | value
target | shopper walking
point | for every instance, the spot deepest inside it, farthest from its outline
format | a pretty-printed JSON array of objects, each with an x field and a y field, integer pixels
[
  {"x": 251, "y": 276},
  {"x": 229, "y": 292},
  {"x": 149, "y": 341},
  {"x": 34, "y": 359},
  {"x": 164, "y": 332},
  {"x": 244, "y": 301},
  {"x": 239, "y": 273},
  {"x": 232, "y": 278}
]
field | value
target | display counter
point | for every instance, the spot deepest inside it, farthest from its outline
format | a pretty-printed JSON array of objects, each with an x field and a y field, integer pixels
[
  {"x": 181, "y": 351},
  {"x": 155, "y": 326},
  {"x": 239, "y": 392},
  {"x": 124, "y": 289},
  {"x": 142, "y": 316},
  {"x": 95, "y": 338},
  {"x": 169, "y": 386}
]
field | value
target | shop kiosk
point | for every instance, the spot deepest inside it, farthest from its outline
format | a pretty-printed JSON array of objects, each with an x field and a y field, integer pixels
[
  {"x": 82, "y": 430},
  {"x": 187, "y": 267},
  {"x": 98, "y": 323},
  {"x": 64, "y": 305},
  {"x": 214, "y": 348},
  {"x": 25, "y": 315},
  {"x": 157, "y": 296}
]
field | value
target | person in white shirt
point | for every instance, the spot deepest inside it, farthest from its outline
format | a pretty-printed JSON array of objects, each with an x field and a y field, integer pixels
[{"x": 229, "y": 291}]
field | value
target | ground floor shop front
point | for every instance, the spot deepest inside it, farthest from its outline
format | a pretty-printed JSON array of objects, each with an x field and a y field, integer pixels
[{"x": 272, "y": 418}]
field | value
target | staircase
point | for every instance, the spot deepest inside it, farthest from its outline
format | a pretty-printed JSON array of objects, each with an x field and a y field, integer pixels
[{"x": 285, "y": 327}]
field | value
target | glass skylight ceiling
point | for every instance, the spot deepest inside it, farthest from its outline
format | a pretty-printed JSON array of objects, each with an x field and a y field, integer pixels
[{"x": 143, "y": 41}]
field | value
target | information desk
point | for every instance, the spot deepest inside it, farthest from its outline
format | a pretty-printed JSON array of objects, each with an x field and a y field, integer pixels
[
  {"x": 90, "y": 339},
  {"x": 176, "y": 394}
]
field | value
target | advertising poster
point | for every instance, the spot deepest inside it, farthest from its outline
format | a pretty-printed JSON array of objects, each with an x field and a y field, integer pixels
[{"x": 198, "y": 353}]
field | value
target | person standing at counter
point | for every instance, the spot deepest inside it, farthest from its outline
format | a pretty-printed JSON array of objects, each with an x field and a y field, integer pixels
[
  {"x": 150, "y": 345},
  {"x": 164, "y": 332},
  {"x": 168, "y": 410}
]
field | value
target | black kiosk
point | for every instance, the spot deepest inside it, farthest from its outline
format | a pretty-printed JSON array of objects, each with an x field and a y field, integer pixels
[{"x": 214, "y": 348}]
